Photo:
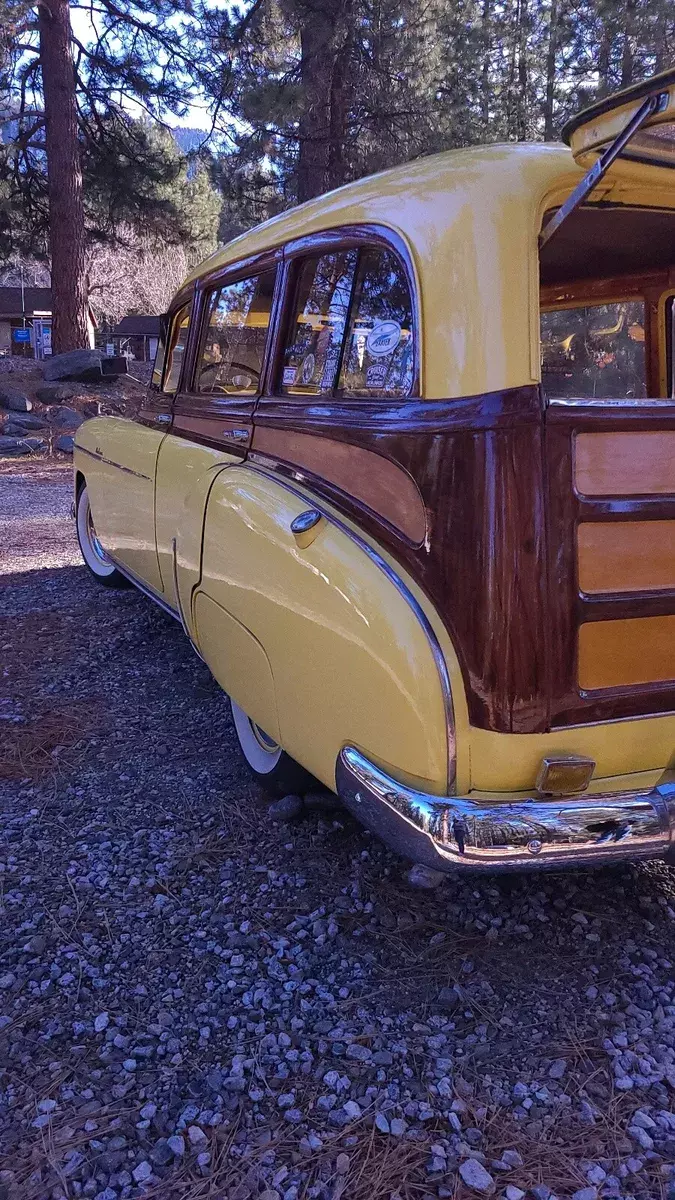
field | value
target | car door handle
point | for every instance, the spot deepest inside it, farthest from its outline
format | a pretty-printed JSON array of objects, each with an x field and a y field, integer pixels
[
  {"x": 162, "y": 418},
  {"x": 236, "y": 435}
]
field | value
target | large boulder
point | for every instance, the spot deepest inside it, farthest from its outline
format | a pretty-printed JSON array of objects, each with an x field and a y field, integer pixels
[
  {"x": 24, "y": 421},
  {"x": 82, "y": 365},
  {"x": 55, "y": 393},
  {"x": 14, "y": 400},
  {"x": 14, "y": 446},
  {"x": 65, "y": 418},
  {"x": 65, "y": 443}
]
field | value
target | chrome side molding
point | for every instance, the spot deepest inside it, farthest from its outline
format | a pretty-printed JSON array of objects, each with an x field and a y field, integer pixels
[{"x": 450, "y": 833}]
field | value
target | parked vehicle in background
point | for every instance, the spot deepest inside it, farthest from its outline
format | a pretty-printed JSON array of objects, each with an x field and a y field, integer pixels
[{"x": 406, "y": 475}]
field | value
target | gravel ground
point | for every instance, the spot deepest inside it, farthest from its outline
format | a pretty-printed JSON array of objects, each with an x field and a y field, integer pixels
[{"x": 199, "y": 1000}]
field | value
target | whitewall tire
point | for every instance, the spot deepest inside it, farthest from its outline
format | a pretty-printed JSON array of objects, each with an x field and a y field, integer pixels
[
  {"x": 275, "y": 770},
  {"x": 260, "y": 751},
  {"x": 93, "y": 553}
]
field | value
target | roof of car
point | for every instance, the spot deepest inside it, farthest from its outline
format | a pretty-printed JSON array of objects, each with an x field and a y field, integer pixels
[{"x": 402, "y": 198}]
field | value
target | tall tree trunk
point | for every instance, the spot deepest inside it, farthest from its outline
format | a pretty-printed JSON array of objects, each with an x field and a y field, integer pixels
[
  {"x": 317, "y": 59},
  {"x": 551, "y": 71},
  {"x": 627, "y": 48},
  {"x": 339, "y": 109},
  {"x": 605, "y": 51},
  {"x": 66, "y": 207},
  {"x": 486, "y": 46},
  {"x": 523, "y": 72}
]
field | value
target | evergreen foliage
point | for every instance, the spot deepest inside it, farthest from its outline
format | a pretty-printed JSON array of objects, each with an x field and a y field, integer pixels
[{"x": 303, "y": 95}]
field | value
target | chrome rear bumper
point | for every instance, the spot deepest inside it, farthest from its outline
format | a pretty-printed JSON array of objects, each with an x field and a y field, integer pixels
[{"x": 455, "y": 832}]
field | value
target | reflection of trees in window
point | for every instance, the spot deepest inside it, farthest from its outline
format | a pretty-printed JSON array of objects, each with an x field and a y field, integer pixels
[
  {"x": 323, "y": 293},
  {"x": 598, "y": 350},
  {"x": 234, "y": 341},
  {"x": 379, "y": 351},
  {"x": 368, "y": 291}
]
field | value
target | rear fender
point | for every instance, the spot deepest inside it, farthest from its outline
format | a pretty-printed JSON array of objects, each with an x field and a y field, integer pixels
[{"x": 353, "y": 658}]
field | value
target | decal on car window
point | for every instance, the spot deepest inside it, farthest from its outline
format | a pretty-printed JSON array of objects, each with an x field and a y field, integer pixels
[{"x": 383, "y": 339}]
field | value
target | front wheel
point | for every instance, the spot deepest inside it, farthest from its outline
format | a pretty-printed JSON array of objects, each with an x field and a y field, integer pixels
[
  {"x": 275, "y": 770},
  {"x": 93, "y": 553}
]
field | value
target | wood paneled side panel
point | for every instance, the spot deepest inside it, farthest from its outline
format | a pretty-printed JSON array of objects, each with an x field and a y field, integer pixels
[
  {"x": 477, "y": 464},
  {"x": 367, "y": 476},
  {"x": 614, "y": 654},
  {"x": 595, "y": 543},
  {"x": 625, "y": 464},
  {"x": 626, "y": 556}
]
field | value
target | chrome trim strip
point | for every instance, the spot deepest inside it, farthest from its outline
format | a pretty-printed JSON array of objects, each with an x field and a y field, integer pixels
[
  {"x": 109, "y": 463},
  {"x": 450, "y": 833},
  {"x": 143, "y": 587},
  {"x": 181, "y": 614},
  {"x": 383, "y": 565},
  {"x": 656, "y": 402}
]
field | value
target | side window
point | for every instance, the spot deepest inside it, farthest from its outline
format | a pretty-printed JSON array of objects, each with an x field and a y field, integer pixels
[
  {"x": 169, "y": 360},
  {"x": 233, "y": 343},
  {"x": 322, "y": 296},
  {"x": 379, "y": 349}
]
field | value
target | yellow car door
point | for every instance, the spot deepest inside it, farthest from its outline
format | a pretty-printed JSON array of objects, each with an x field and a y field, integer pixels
[{"x": 213, "y": 409}]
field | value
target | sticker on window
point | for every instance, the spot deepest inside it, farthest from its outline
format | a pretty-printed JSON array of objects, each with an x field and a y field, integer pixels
[
  {"x": 376, "y": 375},
  {"x": 383, "y": 339},
  {"x": 289, "y": 375},
  {"x": 307, "y": 370}
]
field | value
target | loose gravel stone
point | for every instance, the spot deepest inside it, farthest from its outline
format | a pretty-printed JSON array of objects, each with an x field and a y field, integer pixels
[
  {"x": 286, "y": 809},
  {"x": 476, "y": 1177}
]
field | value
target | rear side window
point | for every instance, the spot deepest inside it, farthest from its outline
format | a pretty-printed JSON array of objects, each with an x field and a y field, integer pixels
[
  {"x": 378, "y": 356},
  {"x": 323, "y": 293},
  {"x": 352, "y": 327},
  {"x": 233, "y": 345},
  {"x": 169, "y": 358}
]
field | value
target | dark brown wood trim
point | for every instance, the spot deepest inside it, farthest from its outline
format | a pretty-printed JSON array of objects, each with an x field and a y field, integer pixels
[{"x": 624, "y": 287}]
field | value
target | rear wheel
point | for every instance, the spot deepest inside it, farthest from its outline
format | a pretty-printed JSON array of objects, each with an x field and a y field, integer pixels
[
  {"x": 275, "y": 770},
  {"x": 93, "y": 553}
]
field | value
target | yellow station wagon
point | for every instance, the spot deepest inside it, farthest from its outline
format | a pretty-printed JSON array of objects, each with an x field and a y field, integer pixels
[{"x": 406, "y": 476}]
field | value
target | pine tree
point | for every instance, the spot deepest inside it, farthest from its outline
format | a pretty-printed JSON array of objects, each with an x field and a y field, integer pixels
[{"x": 76, "y": 150}]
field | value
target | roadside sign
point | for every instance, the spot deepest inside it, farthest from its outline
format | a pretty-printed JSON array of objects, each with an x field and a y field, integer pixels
[
  {"x": 110, "y": 349},
  {"x": 21, "y": 335}
]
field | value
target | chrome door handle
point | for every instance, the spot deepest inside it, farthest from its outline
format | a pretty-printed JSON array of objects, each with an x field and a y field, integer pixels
[
  {"x": 237, "y": 435},
  {"x": 306, "y": 527},
  {"x": 162, "y": 418}
]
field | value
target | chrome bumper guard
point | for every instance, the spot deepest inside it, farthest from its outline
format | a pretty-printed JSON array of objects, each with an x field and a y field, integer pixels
[{"x": 450, "y": 833}]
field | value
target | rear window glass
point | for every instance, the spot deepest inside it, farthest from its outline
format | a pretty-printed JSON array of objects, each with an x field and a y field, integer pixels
[
  {"x": 233, "y": 345},
  {"x": 378, "y": 357},
  {"x": 594, "y": 351},
  {"x": 322, "y": 296}
]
